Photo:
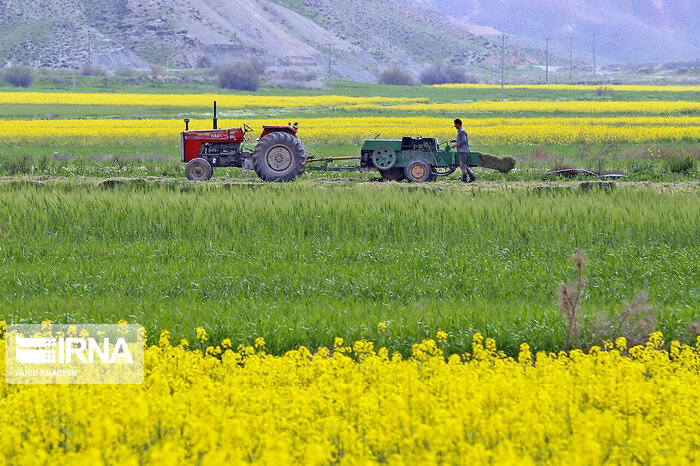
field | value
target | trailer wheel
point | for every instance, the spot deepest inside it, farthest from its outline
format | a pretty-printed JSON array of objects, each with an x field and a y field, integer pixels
[
  {"x": 383, "y": 158},
  {"x": 392, "y": 174},
  {"x": 199, "y": 170},
  {"x": 279, "y": 156},
  {"x": 418, "y": 171}
]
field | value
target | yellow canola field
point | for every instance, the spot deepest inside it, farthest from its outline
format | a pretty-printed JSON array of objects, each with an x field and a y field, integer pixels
[
  {"x": 356, "y": 130},
  {"x": 578, "y": 87},
  {"x": 194, "y": 100},
  {"x": 358, "y": 405},
  {"x": 571, "y": 106}
]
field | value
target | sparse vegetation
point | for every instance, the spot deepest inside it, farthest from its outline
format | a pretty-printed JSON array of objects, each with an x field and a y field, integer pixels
[
  {"x": 680, "y": 164},
  {"x": 396, "y": 76},
  {"x": 19, "y": 76},
  {"x": 634, "y": 323},
  {"x": 295, "y": 79},
  {"x": 239, "y": 76},
  {"x": 89, "y": 70},
  {"x": 605, "y": 91},
  {"x": 445, "y": 74}
]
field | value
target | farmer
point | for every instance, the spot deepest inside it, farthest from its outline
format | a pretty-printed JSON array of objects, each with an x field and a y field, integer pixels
[{"x": 462, "y": 146}]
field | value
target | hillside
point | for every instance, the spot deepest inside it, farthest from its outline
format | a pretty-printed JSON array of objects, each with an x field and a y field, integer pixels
[
  {"x": 626, "y": 30},
  {"x": 364, "y": 35}
]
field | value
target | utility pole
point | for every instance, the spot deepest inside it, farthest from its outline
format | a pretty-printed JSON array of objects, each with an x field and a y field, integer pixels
[
  {"x": 74, "y": 67},
  {"x": 571, "y": 58},
  {"x": 503, "y": 64},
  {"x": 330, "y": 69},
  {"x": 594, "y": 34},
  {"x": 73, "y": 42},
  {"x": 546, "y": 73}
]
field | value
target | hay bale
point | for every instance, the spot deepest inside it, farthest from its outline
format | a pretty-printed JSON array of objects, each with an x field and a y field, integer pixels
[{"x": 502, "y": 164}]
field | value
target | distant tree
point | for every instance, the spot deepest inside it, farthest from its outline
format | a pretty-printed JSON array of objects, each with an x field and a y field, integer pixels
[
  {"x": 89, "y": 70},
  {"x": 239, "y": 76},
  {"x": 445, "y": 74},
  {"x": 295, "y": 79},
  {"x": 396, "y": 76},
  {"x": 125, "y": 71},
  {"x": 157, "y": 70},
  {"x": 20, "y": 76}
]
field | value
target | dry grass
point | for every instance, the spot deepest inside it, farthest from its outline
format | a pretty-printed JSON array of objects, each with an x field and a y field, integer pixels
[{"x": 634, "y": 323}]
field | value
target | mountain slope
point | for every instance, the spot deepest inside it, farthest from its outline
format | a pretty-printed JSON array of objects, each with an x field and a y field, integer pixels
[
  {"x": 646, "y": 30},
  {"x": 364, "y": 35}
]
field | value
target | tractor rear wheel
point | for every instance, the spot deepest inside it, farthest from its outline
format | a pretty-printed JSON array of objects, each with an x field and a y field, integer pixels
[
  {"x": 392, "y": 174},
  {"x": 418, "y": 171},
  {"x": 199, "y": 170},
  {"x": 279, "y": 156}
]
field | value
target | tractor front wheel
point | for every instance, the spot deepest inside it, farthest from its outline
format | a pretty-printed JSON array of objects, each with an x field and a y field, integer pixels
[
  {"x": 279, "y": 156},
  {"x": 199, "y": 170}
]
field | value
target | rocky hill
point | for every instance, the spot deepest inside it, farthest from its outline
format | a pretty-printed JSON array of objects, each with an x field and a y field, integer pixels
[
  {"x": 626, "y": 30},
  {"x": 363, "y": 35}
]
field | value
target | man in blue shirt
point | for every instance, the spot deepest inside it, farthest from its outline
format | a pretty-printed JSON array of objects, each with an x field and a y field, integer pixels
[{"x": 462, "y": 146}]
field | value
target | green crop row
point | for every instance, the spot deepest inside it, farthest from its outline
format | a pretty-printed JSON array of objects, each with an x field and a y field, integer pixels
[{"x": 301, "y": 264}]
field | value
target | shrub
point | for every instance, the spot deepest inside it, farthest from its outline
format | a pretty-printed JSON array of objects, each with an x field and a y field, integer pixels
[
  {"x": 203, "y": 62},
  {"x": 19, "y": 165},
  {"x": 396, "y": 76},
  {"x": 239, "y": 76},
  {"x": 605, "y": 91},
  {"x": 445, "y": 74},
  {"x": 157, "y": 70},
  {"x": 20, "y": 76},
  {"x": 683, "y": 165},
  {"x": 89, "y": 70},
  {"x": 125, "y": 71},
  {"x": 295, "y": 79}
]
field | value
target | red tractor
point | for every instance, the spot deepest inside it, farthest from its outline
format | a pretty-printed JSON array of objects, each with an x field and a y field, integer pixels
[{"x": 278, "y": 156}]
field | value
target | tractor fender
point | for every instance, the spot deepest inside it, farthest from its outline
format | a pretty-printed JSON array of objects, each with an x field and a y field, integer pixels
[{"x": 269, "y": 129}]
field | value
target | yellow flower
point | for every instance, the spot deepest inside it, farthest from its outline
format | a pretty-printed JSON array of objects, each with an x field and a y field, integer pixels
[
  {"x": 260, "y": 342},
  {"x": 201, "y": 334},
  {"x": 621, "y": 343},
  {"x": 441, "y": 336},
  {"x": 226, "y": 343},
  {"x": 382, "y": 326},
  {"x": 164, "y": 339},
  {"x": 367, "y": 408}
]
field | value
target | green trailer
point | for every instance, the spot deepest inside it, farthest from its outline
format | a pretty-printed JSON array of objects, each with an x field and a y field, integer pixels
[{"x": 415, "y": 159}]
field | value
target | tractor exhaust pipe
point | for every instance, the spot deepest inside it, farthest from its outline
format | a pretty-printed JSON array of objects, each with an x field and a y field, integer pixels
[{"x": 216, "y": 121}]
